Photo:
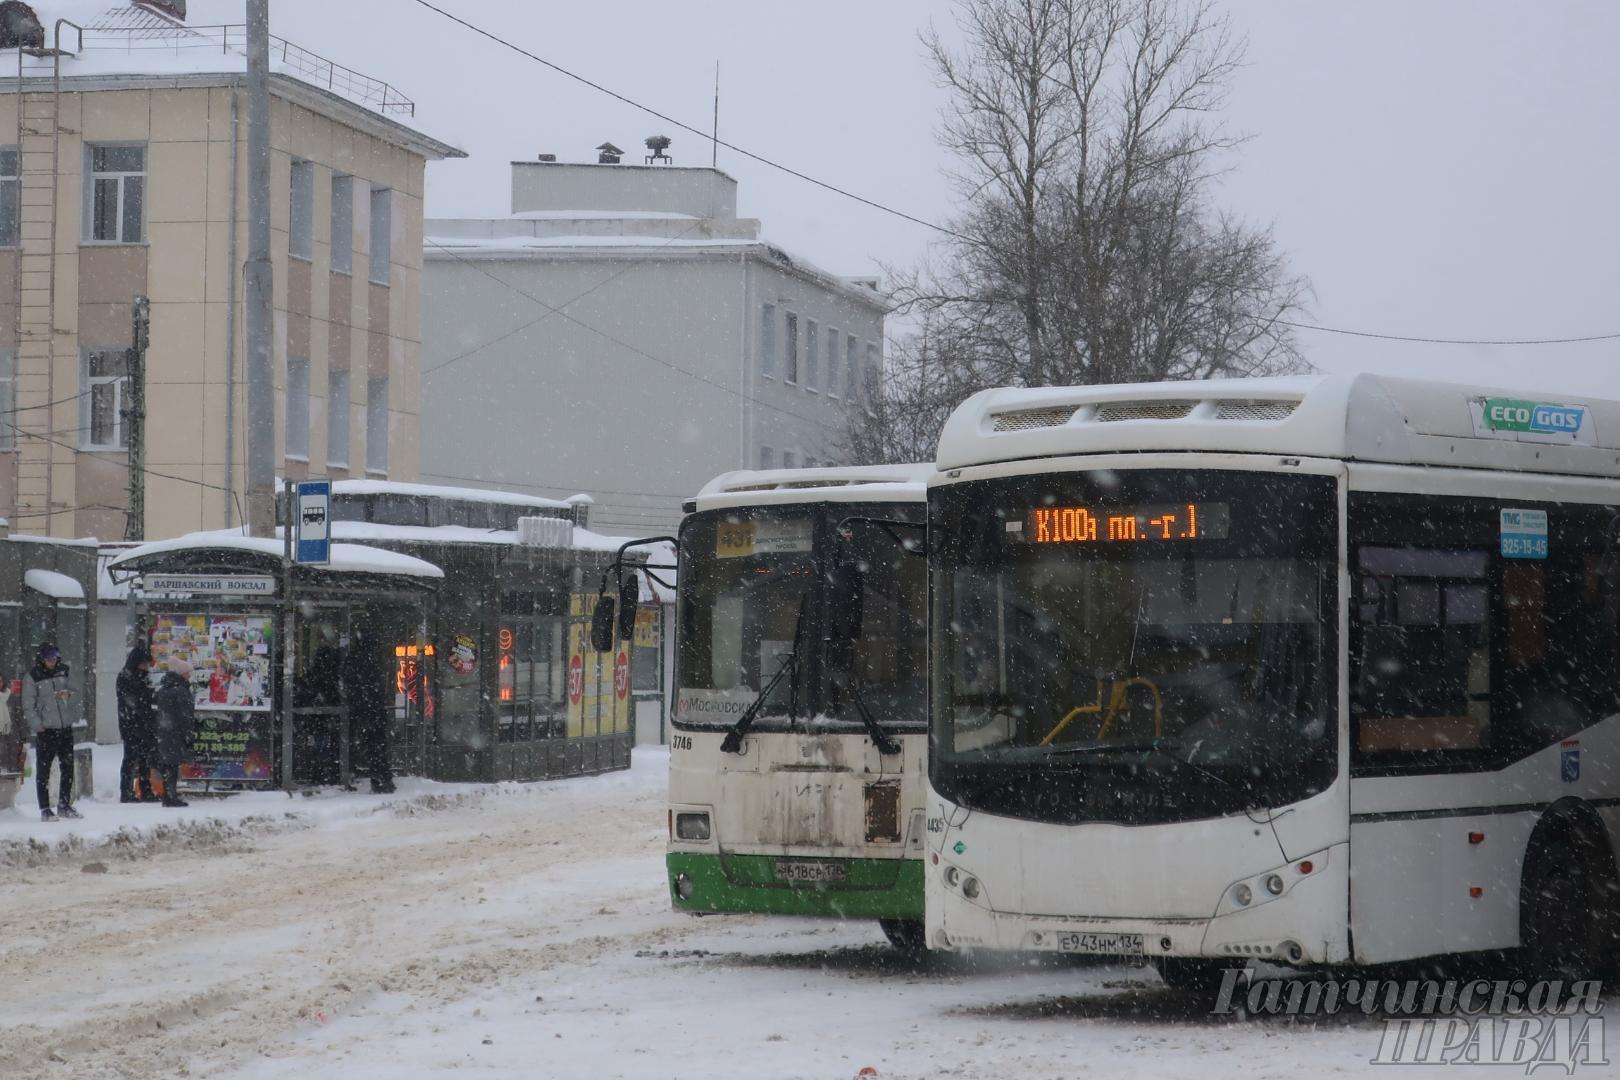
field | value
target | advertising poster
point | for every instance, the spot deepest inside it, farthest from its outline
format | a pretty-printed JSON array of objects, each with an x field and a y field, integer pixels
[
  {"x": 229, "y": 746},
  {"x": 598, "y": 683},
  {"x": 229, "y": 656}
]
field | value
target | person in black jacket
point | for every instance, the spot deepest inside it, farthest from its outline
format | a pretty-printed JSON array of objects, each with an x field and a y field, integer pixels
[
  {"x": 176, "y": 718},
  {"x": 137, "y": 723},
  {"x": 368, "y": 686}
]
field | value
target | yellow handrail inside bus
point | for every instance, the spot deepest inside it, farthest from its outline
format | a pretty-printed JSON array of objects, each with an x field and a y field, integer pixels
[{"x": 1116, "y": 701}]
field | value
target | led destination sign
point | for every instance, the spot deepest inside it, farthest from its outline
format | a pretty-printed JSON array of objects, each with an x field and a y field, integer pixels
[{"x": 1102, "y": 525}]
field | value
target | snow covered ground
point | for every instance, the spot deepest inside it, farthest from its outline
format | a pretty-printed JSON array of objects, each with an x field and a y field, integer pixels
[{"x": 523, "y": 931}]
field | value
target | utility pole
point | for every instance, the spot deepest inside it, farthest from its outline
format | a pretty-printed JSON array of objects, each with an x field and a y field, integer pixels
[
  {"x": 135, "y": 421},
  {"x": 261, "y": 400}
]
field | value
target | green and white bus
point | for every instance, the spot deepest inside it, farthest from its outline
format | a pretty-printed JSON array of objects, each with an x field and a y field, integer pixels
[{"x": 800, "y": 718}]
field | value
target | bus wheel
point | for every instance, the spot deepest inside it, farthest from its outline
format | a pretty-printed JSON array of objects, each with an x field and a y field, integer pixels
[
  {"x": 1563, "y": 912},
  {"x": 1194, "y": 976},
  {"x": 907, "y": 935}
]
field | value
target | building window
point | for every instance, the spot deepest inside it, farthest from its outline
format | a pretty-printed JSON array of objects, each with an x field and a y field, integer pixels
[
  {"x": 767, "y": 458},
  {"x": 852, "y": 369},
  {"x": 812, "y": 355},
  {"x": 115, "y": 197},
  {"x": 791, "y": 349},
  {"x": 8, "y": 399},
  {"x": 382, "y": 235},
  {"x": 874, "y": 374},
  {"x": 832, "y": 361},
  {"x": 343, "y": 223},
  {"x": 377, "y": 425},
  {"x": 789, "y": 460},
  {"x": 301, "y": 212},
  {"x": 298, "y": 407},
  {"x": 337, "y": 418},
  {"x": 10, "y": 196},
  {"x": 105, "y": 378},
  {"x": 767, "y": 339}
]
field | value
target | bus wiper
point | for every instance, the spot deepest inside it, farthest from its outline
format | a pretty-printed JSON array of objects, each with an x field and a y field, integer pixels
[
  {"x": 732, "y": 743},
  {"x": 881, "y": 739},
  {"x": 1144, "y": 748}
]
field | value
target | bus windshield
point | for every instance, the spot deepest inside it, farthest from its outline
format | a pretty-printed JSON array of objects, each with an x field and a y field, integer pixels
[
  {"x": 753, "y": 606},
  {"x": 1135, "y": 646}
]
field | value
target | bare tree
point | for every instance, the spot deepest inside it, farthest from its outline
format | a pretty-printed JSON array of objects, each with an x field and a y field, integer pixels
[{"x": 1085, "y": 137}]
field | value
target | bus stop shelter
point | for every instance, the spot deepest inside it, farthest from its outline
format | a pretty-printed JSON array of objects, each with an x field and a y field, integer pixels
[{"x": 262, "y": 639}]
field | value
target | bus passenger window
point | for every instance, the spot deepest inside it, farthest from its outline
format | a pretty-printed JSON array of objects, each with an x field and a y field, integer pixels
[{"x": 1421, "y": 677}]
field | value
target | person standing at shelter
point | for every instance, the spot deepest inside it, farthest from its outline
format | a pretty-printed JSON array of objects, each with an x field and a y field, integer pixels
[
  {"x": 368, "y": 685},
  {"x": 48, "y": 704},
  {"x": 176, "y": 718},
  {"x": 137, "y": 722}
]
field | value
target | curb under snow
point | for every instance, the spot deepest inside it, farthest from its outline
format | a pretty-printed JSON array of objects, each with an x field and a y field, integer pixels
[{"x": 129, "y": 843}]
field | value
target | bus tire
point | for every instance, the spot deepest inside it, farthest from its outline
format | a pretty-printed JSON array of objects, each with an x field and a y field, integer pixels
[
  {"x": 1566, "y": 901},
  {"x": 906, "y": 935},
  {"x": 1192, "y": 975}
]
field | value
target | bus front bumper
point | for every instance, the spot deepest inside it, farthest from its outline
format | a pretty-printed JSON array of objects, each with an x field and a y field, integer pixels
[{"x": 1304, "y": 924}]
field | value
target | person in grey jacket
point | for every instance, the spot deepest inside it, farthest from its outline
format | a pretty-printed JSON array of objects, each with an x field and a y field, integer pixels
[{"x": 49, "y": 706}]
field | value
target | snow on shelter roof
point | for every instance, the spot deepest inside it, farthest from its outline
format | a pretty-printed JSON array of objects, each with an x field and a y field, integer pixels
[
  {"x": 346, "y": 558},
  {"x": 854, "y": 483},
  {"x": 1348, "y": 417},
  {"x": 53, "y": 584}
]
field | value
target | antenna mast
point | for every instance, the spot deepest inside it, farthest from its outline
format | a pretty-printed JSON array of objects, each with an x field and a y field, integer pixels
[{"x": 714, "y": 136}]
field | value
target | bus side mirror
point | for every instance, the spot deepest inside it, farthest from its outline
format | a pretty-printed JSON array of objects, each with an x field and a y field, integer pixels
[
  {"x": 844, "y": 616},
  {"x": 629, "y": 598},
  {"x": 602, "y": 624}
]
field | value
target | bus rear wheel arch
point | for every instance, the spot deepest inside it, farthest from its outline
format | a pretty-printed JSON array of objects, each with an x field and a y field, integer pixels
[{"x": 906, "y": 935}]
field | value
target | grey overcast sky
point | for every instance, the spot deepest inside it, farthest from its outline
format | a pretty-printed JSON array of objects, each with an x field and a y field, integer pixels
[{"x": 1442, "y": 168}]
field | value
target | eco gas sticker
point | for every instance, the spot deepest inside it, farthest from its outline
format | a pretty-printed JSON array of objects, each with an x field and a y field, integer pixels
[
  {"x": 1532, "y": 421},
  {"x": 1524, "y": 534}
]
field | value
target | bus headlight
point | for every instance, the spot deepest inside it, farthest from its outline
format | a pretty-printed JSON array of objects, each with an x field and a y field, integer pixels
[
  {"x": 952, "y": 876},
  {"x": 1242, "y": 894},
  {"x": 692, "y": 827},
  {"x": 1274, "y": 884},
  {"x": 970, "y": 888}
]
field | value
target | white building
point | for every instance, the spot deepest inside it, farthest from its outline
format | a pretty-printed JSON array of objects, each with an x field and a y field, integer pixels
[{"x": 624, "y": 332}]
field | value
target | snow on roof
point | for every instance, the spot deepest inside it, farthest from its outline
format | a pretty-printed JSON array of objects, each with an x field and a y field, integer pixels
[
  {"x": 83, "y": 541},
  {"x": 593, "y": 215},
  {"x": 346, "y": 558},
  {"x": 53, "y": 584},
  {"x": 374, "y": 532},
  {"x": 456, "y": 247},
  {"x": 436, "y": 491},
  {"x": 1351, "y": 417},
  {"x": 853, "y": 483}
]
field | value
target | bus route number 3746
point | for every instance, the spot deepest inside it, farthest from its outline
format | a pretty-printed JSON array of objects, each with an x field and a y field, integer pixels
[{"x": 1101, "y": 944}]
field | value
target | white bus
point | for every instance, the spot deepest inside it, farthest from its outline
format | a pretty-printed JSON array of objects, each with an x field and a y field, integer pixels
[
  {"x": 800, "y": 718},
  {"x": 1314, "y": 671}
]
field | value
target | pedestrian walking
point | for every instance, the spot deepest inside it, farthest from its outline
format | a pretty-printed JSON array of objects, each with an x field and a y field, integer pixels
[
  {"x": 48, "y": 704},
  {"x": 137, "y": 726},
  {"x": 176, "y": 718}
]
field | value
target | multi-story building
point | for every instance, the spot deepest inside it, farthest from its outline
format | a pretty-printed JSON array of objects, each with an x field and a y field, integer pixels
[
  {"x": 623, "y": 332},
  {"x": 123, "y": 173}
]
